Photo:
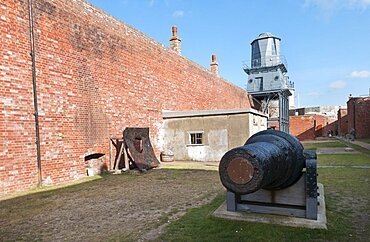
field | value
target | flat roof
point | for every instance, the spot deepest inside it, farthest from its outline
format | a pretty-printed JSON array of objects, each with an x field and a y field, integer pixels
[{"x": 200, "y": 113}]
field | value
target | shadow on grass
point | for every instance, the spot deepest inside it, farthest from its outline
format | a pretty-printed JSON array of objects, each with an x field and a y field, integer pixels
[
  {"x": 93, "y": 184},
  {"x": 109, "y": 179}
]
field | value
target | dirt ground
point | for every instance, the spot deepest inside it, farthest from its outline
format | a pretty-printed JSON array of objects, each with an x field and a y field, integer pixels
[{"x": 127, "y": 207}]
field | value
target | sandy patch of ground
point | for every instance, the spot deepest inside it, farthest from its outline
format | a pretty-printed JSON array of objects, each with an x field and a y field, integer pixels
[{"x": 131, "y": 206}]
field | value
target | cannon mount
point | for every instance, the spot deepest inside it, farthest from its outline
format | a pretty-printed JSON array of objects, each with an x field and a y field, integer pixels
[
  {"x": 297, "y": 200},
  {"x": 271, "y": 174}
]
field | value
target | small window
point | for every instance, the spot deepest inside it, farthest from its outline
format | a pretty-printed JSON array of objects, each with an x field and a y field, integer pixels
[
  {"x": 196, "y": 138},
  {"x": 254, "y": 121}
]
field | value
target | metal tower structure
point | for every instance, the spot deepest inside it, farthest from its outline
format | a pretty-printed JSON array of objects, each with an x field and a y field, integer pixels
[{"x": 267, "y": 82}]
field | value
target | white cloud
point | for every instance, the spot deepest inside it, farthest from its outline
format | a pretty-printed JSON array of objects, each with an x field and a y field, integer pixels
[
  {"x": 360, "y": 74},
  {"x": 313, "y": 94},
  {"x": 178, "y": 13},
  {"x": 338, "y": 84},
  {"x": 331, "y": 5}
]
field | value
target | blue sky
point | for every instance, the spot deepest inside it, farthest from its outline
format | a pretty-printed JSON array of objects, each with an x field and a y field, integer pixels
[{"x": 326, "y": 42}]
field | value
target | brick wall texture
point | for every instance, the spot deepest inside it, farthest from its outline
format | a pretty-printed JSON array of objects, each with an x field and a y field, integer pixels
[
  {"x": 95, "y": 76},
  {"x": 355, "y": 116},
  {"x": 342, "y": 122},
  {"x": 308, "y": 127},
  {"x": 358, "y": 116}
]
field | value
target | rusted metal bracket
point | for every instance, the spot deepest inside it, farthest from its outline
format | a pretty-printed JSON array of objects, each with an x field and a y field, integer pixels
[{"x": 139, "y": 148}]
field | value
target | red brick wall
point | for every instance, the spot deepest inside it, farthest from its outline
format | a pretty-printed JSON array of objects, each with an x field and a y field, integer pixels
[
  {"x": 95, "y": 76},
  {"x": 342, "y": 122},
  {"x": 330, "y": 127},
  {"x": 302, "y": 127},
  {"x": 358, "y": 116},
  {"x": 308, "y": 127},
  {"x": 17, "y": 128},
  {"x": 320, "y": 125}
]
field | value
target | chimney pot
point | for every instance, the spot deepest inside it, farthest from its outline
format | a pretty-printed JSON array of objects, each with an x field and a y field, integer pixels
[
  {"x": 174, "y": 31},
  {"x": 175, "y": 41},
  {"x": 213, "y": 58},
  {"x": 214, "y": 65}
]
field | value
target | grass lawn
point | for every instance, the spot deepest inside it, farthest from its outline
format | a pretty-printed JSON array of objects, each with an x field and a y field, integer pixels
[
  {"x": 314, "y": 145},
  {"x": 174, "y": 204},
  {"x": 366, "y": 140},
  {"x": 344, "y": 160},
  {"x": 347, "y": 202},
  {"x": 357, "y": 147}
]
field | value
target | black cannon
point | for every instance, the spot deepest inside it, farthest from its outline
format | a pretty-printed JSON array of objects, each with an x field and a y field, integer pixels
[{"x": 267, "y": 175}]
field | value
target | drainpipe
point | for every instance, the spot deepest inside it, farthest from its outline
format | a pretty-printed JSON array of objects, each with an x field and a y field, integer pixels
[{"x": 32, "y": 38}]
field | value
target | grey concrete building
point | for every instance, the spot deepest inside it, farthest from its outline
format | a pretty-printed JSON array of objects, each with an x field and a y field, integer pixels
[{"x": 207, "y": 135}]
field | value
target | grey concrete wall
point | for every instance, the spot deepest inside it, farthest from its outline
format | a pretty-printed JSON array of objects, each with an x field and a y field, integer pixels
[{"x": 220, "y": 134}]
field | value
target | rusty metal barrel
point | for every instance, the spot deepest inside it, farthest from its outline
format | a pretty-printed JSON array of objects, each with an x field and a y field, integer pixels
[{"x": 270, "y": 159}]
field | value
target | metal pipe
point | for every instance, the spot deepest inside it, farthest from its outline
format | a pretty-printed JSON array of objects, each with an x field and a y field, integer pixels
[{"x": 32, "y": 39}]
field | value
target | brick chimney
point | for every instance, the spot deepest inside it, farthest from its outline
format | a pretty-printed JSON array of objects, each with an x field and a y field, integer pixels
[
  {"x": 175, "y": 41},
  {"x": 214, "y": 65}
]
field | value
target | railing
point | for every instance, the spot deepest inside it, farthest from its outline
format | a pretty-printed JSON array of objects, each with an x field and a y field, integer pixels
[
  {"x": 290, "y": 84},
  {"x": 266, "y": 62}
]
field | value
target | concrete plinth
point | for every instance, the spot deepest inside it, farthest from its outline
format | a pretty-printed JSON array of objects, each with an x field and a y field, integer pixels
[{"x": 320, "y": 223}]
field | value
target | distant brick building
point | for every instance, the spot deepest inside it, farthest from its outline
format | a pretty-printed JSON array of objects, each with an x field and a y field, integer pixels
[
  {"x": 95, "y": 76},
  {"x": 311, "y": 126},
  {"x": 358, "y": 116}
]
